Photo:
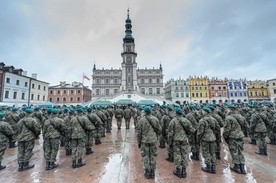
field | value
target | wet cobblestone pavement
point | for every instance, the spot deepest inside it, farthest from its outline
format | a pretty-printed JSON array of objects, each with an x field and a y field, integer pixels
[{"x": 118, "y": 160}]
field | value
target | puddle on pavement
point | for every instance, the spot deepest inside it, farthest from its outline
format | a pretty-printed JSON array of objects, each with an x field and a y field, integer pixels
[
  {"x": 112, "y": 169},
  {"x": 249, "y": 177}
]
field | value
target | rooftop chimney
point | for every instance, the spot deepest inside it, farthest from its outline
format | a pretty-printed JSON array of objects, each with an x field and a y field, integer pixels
[{"x": 34, "y": 76}]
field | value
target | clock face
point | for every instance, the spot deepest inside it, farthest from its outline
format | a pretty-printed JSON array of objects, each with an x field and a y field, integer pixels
[{"x": 128, "y": 59}]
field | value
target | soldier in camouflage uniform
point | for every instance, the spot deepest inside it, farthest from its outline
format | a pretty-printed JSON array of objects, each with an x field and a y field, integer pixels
[
  {"x": 90, "y": 134},
  {"x": 80, "y": 124},
  {"x": 248, "y": 115},
  {"x": 179, "y": 130},
  {"x": 127, "y": 117},
  {"x": 68, "y": 125},
  {"x": 208, "y": 141},
  {"x": 109, "y": 123},
  {"x": 37, "y": 115},
  {"x": 28, "y": 129},
  {"x": 258, "y": 127},
  {"x": 195, "y": 144},
  {"x": 97, "y": 122},
  {"x": 135, "y": 115},
  {"x": 148, "y": 129},
  {"x": 53, "y": 129},
  {"x": 267, "y": 111},
  {"x": 233, "y": 135},
  {"x": 119, "y": 114},
  {"x": 217, "y": 131},
  {"x": 6, "y": 133},
  {"x": 13, "y": 119},
  {"x": 103, "y": 119},
  {"x": 108, "y": 120}
]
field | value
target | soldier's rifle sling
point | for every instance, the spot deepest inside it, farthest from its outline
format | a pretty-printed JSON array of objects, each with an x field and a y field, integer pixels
[
  {"x": 151, "y": 125},
  {"x": 35, "y": 134}
]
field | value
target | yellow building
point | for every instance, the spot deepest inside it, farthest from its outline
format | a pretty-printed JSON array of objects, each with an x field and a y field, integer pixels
[
  {"x": 257, "y": 90},
  {"x": 199, "y": 89}
]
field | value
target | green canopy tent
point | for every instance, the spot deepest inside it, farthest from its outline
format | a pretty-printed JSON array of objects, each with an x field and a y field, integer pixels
[
  {"x": 102, "y": 103},
  {"x": 125, "y": 102},
  {"x": 47, "y": 104},
  {"x": 147, "y": 102}
]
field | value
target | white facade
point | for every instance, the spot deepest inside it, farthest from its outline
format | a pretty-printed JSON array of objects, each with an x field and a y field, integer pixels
[
  {"x": 38, "y": 91},
  {"x": 15, "y": 89},
  {"x": 272, "y": 89},
  {"x": 177, "y": 90}
]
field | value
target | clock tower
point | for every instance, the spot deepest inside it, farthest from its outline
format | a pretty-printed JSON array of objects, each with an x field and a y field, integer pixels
[{"x": 129, "y": 65}]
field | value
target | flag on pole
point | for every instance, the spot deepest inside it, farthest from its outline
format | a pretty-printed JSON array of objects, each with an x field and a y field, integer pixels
[{"x": 85, "y": 77}]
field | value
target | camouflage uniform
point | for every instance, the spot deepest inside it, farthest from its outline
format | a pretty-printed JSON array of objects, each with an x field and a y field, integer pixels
[
  {"x": 119, "y": 116},
  {"x": 13, "y": 120},
  {"x": 179, "y": 130},
  {"x": 258, "y": 127},
  {"x": 103, "y": 119},
  {"x": 28, "y": 129},
  {"x": 135, "y": 116},
  {"x": 208, "y": 144},
  {"x": 219, "y": 124},
  {"x": 233, "y": 135},
  {"x": 67, "y": 140},
  {"x": 148, "y": 129},
  {"x": 53, "y": 128},
  {"x": 109, "y": 123},
  {"x": 97, "y": 122},
  {"x": 127, "y": 117},
  {"x": 80, "y": 124},
  {"x": 6, "y": 133},
  {"x": 90, "y": 134},
  {"x": 165, "y": 122}
]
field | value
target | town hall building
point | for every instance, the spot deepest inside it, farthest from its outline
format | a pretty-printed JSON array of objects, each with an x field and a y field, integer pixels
[{"x": 128, "y": 79}]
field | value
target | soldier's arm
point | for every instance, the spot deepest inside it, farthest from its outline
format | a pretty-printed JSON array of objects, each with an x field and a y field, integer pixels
[
  {"x": 200, "y": 130},
  {"x": 171, "y": 133},
  {"x": 8, "y": 130},
  {"x": 189, "y": 127}
]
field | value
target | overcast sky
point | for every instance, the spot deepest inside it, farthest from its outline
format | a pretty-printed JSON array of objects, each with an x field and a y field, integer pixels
[{"x": 61, "y": 39}]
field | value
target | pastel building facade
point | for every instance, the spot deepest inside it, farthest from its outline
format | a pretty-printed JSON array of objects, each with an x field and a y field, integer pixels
[
  {"x": 218, "y": 90},
  {"x": 237, "y": 90},
  {"x": 199, "y": 89},
  {"x": 177, "y": 90},
  {"x": 257, "y": 90}
]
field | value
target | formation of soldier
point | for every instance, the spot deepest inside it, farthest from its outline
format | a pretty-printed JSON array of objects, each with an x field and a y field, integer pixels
[{"x": 179, "y": 129}]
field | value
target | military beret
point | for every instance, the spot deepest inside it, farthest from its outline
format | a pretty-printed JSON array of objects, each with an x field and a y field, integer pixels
[
  {"x": 89, "y": 109},
  {"x": 211, "y": 107},
  {"x": 71, "y": 111},
  {"x": 231, "y": 106},
  {"x": 170, "y": 108},
  {"x": 147, "y": 109},
  {"x": 29, "y": 110},
  {"x": 65, "y": 110},
  {"x": 49, "y": 110},
  {"x": 2, "y": 115},
  {"x": 55, "y": 111},
  {"x": 36, "y": 109},
  {"x": 80, "y": 110},
  {"x": 178, "y": 110},
  {"x": 14, "y": 109},
  {"x": 206, "y": 109},
  {"x": 192, "y": 107}
]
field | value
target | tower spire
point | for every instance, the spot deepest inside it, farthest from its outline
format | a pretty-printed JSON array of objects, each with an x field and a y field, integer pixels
[{"x": 128, "y": 37}]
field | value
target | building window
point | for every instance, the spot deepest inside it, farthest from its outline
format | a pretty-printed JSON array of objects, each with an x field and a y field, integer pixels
[
  {"x": 157, "y": 91},
  {"x": 38, "y": 97},
  {"x": 64, "y": 99},
  {"x": 71, "y": 99},
  {"x": 187, "y": 94},
  {"x": 115, "y": 91},
  {"x": 43, "y": 97},
  {"x": 106, "y": 81},
  {"x": 78, "y": 99},
  {"x": 79, "y": 91},
  {"x": 176, "y": 95},
  {"x": 107, "y": 91},
  {"x": 262, "y": 93},
  {"x": 150, "y": 80},
  {"x": 256, "y": 93},
  {"x": 17, "y": 82},
  {"x": 33, "y": 86},
  {"x": 150, "y": 90},
  {"x": 251, "y": 94},
  {"x": 23, "y": 96},
  {"x": 143, "y": 90},
  {"x": 32, "y": 96},
  {"x": 192, "y": 88},
  {"x": 50, "y": 99},
  {"x": 193, "y": 95},
  {"x": 26, "y": 84},
  {"x": 236, "y": 94},
  {"x": 58, "y": 99},
  {"x": 231, "y": 94},
  {"x": 97, "y": 91},
  {"x": 58, "y": 91},
  {"x": 182, "y": 95},
  {"x": 142, "y": 81},
  {"x": 157, "y": 80},
  {"x": 196, "y": 94},
  {"x": 44, "y": 88},
  {"x": 205, "y": 88},
  {"x": 8, "y": 80},
  {"x": 212, "y": 88},
  {"x": 7, "y": 93},
  {"x": 98, "y": 81},
  {"x": 200, "y": 94},
  {"x": 273, "y": 84},
  {"x": 200, "y": 88},
  {"x": 115, "y": 80},
  {"x": 219, "y": 88},
  {"x": 241, "y": 94},
  {"x": 39, "y": 87},
  {"x": 72, "y": 91},
  {"x": 128, "y": 79},
  {"x": 176, "y": 88},
  {"x": 64, "y": 91},
  {"x": 224, "y": 88},
  {"x": 244, "y": 94}
]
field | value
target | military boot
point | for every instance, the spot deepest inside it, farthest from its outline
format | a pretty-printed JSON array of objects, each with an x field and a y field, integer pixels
[
  {"x": 260, "y": 152},
  {"x": 62, "y": 142},
  {"x": 265, "y": 151},
  {"x": 213, "y": 168},
  {"x": 242, "y": 168},
  {"x": 183, "y": 173},
  {"x": 48, "y": 165},
  {"x": 67, "y": 152},
  {"x": 178, "y": 172},
  {"x": 152, "y": 174},
  {"x": 1, "y": 166},
  {"x": 74, "y": 164},
  {"x": 12, "y": 145},
  {"x": 253, "y": 142},
  {"x": 218, "y": 155},
  {"x": 20, "y": 167},
  {"x": 195, "y": 156},
  {"x": 80, "y": 163},
  {"x": 87, "y": 151},
  {"x": 147, "y": 174},
  {"x": 208, "y": 169},
  {"x": 236, "y": 168},
  {"x": 169, "y": 158},
  {"x": 53, "y": 165},
  {"x": 162, "y": 144},
  {"x": 26, "y": 166}
]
